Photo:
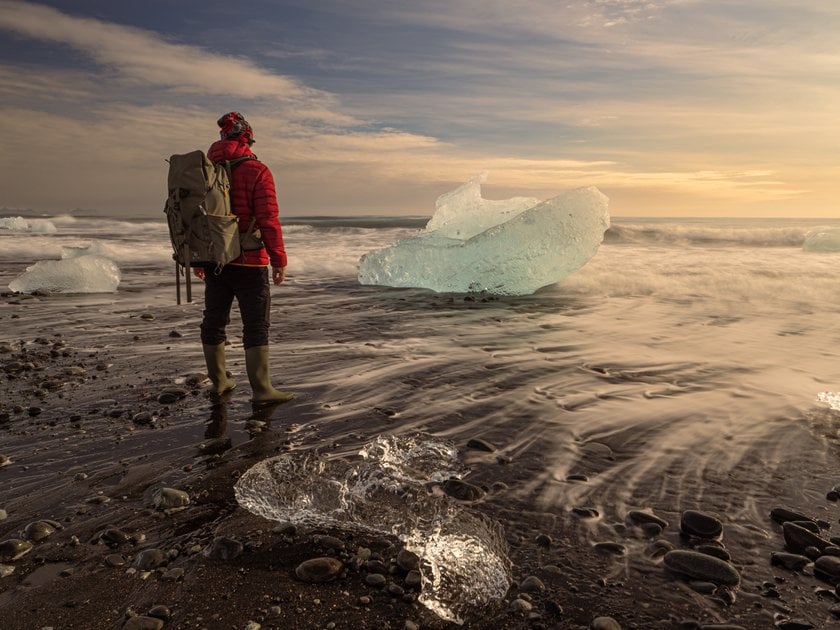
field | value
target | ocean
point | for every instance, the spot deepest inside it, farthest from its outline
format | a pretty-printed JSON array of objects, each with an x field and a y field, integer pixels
[{"x": 692, "y": 364}]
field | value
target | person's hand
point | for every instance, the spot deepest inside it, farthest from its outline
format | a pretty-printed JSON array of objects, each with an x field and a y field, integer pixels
[
  {"x": 198, "y": 272},
  {"x": 278, "y": 274}
]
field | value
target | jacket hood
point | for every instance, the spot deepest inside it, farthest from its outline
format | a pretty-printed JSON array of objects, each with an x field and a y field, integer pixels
[{"x": 222, "y": 150}]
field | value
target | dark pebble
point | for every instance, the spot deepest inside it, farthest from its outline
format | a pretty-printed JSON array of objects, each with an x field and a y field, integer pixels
[
  {"x": 700, "y": 524},
  {"x": 142, "y": 418},
  {"x": 811, "y": 526},
  {"x": 790, "y": 561},
  {"x": 329, "y": 542},
  {"x": 413, "y": 579},
  {"x": 160, "y": 612},
  {"x": 407, "y": 560},
  {"x": 604, "y": 623},
  {"x": 532, "y": 584},
  {"x": 143, "y": 623},
  {"x": 375, "y": 579},
  {"x": 175, "y": 334},
  {"x": 396, "y": 590},
  {"x": 795, "y": 624},
  {"x": 223, "y": 548},
  {"x": 477, "y": 444},
  {"x": 714, "y": 550},
  {"x": 798, "y": 539},
  {"x": 577, "y": 477},
  {"x": 641, "y": 518},
  {"x": 319, "y": 570},
  {"x": 614, "y": 548},
  {"x": 543, "y": 540},
  {"x": 699, "y": 566},
  {"x": 149, "y": 559},
  {"x": 828, "y": 568},
  {"x": 783, "y": 515},
  {"x": 462, "y": 490},
  {"x": 585, "y": 512}
]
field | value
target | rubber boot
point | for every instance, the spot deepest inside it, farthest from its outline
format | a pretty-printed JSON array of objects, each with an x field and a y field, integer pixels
[
  {"x": 256, "y": 364},
  {"x": 215, "y": 358}
]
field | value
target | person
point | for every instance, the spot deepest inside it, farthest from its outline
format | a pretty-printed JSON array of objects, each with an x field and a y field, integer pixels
[{"x": 254, "y": 201}]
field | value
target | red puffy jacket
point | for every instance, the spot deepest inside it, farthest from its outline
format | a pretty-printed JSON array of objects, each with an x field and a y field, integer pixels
[{"x": 253, "y": 195}]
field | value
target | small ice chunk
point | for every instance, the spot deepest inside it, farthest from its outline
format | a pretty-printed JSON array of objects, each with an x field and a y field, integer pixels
[
  {"x": 511, "y": 247},
  {"x": 19, "y": 224},
  {"x": 824, "y": 240},
  {"x": 83, "y": 274}
]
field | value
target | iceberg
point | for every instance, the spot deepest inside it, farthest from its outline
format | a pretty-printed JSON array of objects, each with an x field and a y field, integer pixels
[
  {"x": 19, "y": 224},
  {"x": 509, "y": 247},
  {"x": 826, "y": 240},
  {"x": 463, "y": 555},
  {"x": 80, "y": 274}
]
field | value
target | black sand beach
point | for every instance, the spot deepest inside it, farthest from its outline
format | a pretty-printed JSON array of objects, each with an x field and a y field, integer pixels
[{"x": 104, "y": 404}]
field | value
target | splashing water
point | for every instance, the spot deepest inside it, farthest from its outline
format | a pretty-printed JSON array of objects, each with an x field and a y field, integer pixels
[{"x": 463, "y": 557}]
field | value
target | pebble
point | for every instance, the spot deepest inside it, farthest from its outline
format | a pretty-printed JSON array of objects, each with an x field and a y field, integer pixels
[
  {"x": 173, "y": 575},
  {"x": 798, "y": 539},
  {"x": 375, "y": 579},
  {"x": 699, "y": 566},
  {"x": 3, "y": 515},
  {"x": 319, "y": 569},
  {"x": 143, "y": 623},
  {"x": 660, "y": 547},
  {"x": 329, "y": 542},
  {"x": 532, "y": 584},
  {"x": 171, "y": 395},
  {"x": 794, "y": 624},
  {"x": 828, "y": 568},
  {"x": 640, "y": 518},
  {"x": 413, "y": 579},
  {"x": 6, "y": 570},
  {"x": 610, "y": 547},
  {"x": 407, "y": 560},
  {"x": 223, "y": 548},
  {"x": 462, "y": 490},
  {"x": 477, "y": 444},
  {"x": 5, "y": 460},
  {"x": 143, "y": 418},
  {"x": 410, "y": 625},
  {"x": 783, "y": 515},
  {"x": 790, "y": 561},
  {"x": 14, "y": 548},
  {"x": 604, "y": 623},
  {"x": 114, "y": 560},
  {"x": 149, "y": 559},
  {"x": 714, "y": 550},
  {"x": 543, "y": 540},
  {"x": 39, "y": 530},
  {"x": 170, "y": 499},
  {"x": 585, "y": 512},
  {"x": 160, "y": 611},
  {"x": 520, "y": 606},
  {"x": 700, "y": 524}
]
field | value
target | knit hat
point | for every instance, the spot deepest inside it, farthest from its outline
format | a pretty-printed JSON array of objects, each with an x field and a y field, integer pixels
[{"x": 234, "y": 126}]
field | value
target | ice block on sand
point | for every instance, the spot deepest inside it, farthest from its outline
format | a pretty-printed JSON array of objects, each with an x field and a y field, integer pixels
[{"x": 511, "y": 247}]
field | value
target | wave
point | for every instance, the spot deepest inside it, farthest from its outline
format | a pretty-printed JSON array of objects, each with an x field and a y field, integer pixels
[{"x": 751, "y": 234}]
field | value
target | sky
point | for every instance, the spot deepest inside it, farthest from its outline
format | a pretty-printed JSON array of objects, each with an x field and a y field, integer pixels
[{"x": 377, "y": 107}]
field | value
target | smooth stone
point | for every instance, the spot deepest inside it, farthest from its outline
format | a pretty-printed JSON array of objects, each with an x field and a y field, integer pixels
[
  {"x": 783, "y": 515},
  {"x": 113, "y": 537},
  {"x": 700, "y": 524},
  {"x": 585, "y": 512},
  {"x": 6, "y": 570},
  {"x": 143, "y": 417},
  {"x": 532, "y": 584},
  {"x": 223, "y": 548},
  {"x": 640, "y": 518},
  {"x": 604, "y": 623},
  {"x": 714, "y": 550},
  {"x": 700, "y": 566},
  {"x": 795, "y": 624},
  {"x": 149, "y": 559},
  {"x": 114, "y": 560},
  {"x": 614, "y": 548},
  {"x": 143, "y": 623},
  {"x": 317, "y": 570},
  {"x": 828, "y": 568},
  {"x": 462, "y": 490},
  {"x": 811, "y": 526},
  {"x": 477, "y": 444},
  {"x": 543, "y": 540},
  {"x": 413, "y": 579},
  {"x": 660, "y": 547},
  {"x": 14, "y": 548},
  {"x": 375, "y": 579},
  {"x": 396, "y": 590},
  {"x": 407, "y": 560},
  {"x": 160, "y": 612},
  {"x": 169, "y": 396},
  {"x": 39, "y": 530},
  {"x": 173, "y": 575},
  {"x": 790, "y": 561},
  {"x": 3, "y": 515},
  {"x": 520, "y": 606},
  {"x": 169, "y": 498},
  {"x": 797, "y": 538},
  {"x": 831, "y": 550}
]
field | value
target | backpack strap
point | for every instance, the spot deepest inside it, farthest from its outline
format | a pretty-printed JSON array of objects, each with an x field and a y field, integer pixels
[{"x": 229, "y": 166}]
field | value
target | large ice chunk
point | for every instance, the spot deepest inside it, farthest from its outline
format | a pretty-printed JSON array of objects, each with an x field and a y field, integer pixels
[
  {"x": 511, "y": 247},
  {"x": 19, "y": 224},
  {"x": 80, "y": 274},
  {"x": 463, "y": 554}
]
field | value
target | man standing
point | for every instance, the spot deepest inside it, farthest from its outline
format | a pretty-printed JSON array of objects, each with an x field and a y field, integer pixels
[{"x": 254, "y": 201}]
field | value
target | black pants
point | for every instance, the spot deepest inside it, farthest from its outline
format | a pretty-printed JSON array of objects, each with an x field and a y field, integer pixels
[{"x": 249, "y": 285}]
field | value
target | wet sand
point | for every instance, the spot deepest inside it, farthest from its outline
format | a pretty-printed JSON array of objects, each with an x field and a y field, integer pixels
[{"x": 91, "y": 441}]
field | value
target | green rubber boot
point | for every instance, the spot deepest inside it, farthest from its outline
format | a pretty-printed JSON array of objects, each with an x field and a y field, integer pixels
[
  {"x": 256, "y": 364},
  {"x": 215, "y": 358}
]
